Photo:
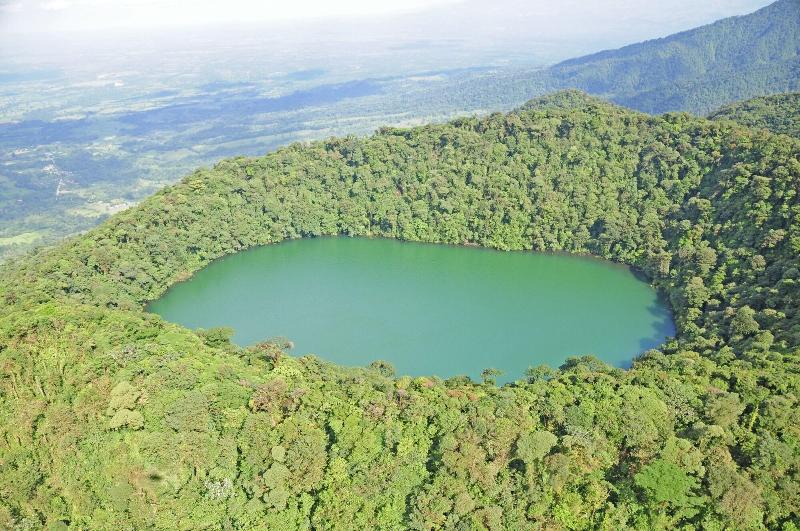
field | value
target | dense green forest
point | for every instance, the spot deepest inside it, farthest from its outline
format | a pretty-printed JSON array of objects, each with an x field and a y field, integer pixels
[
  {"x": 112, "y": 418},
  {"x": 779, "y": 113}
]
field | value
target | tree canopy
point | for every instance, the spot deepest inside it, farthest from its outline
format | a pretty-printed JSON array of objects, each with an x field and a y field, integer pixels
[
  {"x": 779, "y": 113},
  {"x": 112, "y": 418}
]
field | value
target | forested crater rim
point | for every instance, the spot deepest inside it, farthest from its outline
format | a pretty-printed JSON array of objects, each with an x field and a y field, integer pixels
[{"x": 709, "y": 210}]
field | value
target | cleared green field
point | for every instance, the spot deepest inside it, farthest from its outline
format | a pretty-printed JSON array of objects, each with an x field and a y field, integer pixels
[{"x": 25, "y": 238}]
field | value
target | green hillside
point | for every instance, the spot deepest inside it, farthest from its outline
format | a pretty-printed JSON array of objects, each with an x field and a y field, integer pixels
[
  {"x": 157, "y": 140},
  {"x": 779, "y": 113},
  {"x": 111, "y": 418},
  {"x": 695, "y": 71}
]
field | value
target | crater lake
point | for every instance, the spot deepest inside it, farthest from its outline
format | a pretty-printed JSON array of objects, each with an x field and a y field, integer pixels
[{"x": 427, "y": 309}]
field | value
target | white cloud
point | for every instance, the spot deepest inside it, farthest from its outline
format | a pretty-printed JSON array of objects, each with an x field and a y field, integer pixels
[
  {"x": 607, "y": 23},
  {"x": 11, "y": 7},
  {"x": 51, "y": 15},
  {"x": 55, "y": 5}
]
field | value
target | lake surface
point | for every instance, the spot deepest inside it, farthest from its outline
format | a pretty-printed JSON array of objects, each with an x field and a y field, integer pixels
[{"x": 427, "y": 309}]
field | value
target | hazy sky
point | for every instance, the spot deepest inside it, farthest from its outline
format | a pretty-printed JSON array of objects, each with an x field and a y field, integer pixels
[
  {"x": 29, "y": 15},
  {"x": 453, "y": 33},
  {"x": 551, "y": 16}
]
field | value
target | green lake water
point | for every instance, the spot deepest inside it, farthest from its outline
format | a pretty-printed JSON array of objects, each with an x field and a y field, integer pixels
[{"x": 427, "y": 309}]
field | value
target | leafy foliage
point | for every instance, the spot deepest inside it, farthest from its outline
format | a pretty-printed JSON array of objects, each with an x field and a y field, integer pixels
[
  {"x": 156, "y": 140},
  {"x": 779, "y": 113},
  {"x": 112, "y": 418}
]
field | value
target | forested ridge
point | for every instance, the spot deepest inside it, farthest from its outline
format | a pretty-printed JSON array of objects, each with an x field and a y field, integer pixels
[
  {"x": 157, "y": 140},
  {"x": 112, "y": 418},
  {"x": 779, "y": 113},
  {"x": 695, "y": 71}
]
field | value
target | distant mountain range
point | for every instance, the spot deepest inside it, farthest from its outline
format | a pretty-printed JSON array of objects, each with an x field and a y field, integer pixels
[{"x": 696, "y": 71}]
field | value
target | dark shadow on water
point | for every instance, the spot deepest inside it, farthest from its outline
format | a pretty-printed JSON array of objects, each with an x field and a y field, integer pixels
[
  {"x": 662, "y": 311},
  {"x": 664, "y": 325},
  {"x": 640, "y": 275}
]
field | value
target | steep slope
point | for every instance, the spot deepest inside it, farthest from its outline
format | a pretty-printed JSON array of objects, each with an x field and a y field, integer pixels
[
  {"x": 111, "y": 418},
  {"x": 779, "y": 113},
  {"x": 696, "y": 71},
  {"x": 700, "y": 69}
]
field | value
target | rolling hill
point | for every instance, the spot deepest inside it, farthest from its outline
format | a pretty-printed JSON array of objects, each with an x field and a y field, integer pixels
[
  {"x": 158, "y": 140},
  {"x": 694, "y": 71},
  {"x": 697, "y": 70},
  {"x": 779, "y": 113}
]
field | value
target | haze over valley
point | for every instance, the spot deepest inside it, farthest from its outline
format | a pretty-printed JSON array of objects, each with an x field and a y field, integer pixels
[{"x": 93, "y": 121}]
